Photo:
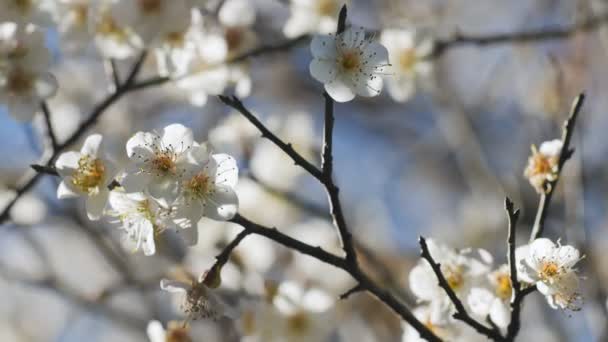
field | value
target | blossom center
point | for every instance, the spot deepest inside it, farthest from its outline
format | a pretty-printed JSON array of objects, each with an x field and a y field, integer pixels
[
  {"x": 107, "y": 27},
  {"x": 177, "y": 333},
  {"x": 19, "y": 81},
  {"x": 150, "y": 6},
  {"x": 298, "y": 323},
  {"x": 350, "y": 61},
  {"x": 79, "y": 13},
  {"x": 408, "y": 59},
  {"x": 234, "y": 38},
  {"x": 503, "y": 286},
  {"x": 164, "y": 163},
  {"x": 89, "y": 175},
  {"x": 326, "y": 8},
  {"x": 454, "y": 277},
  {"x": 175, "y": 38},
  {"x": 549, "y": 270},
  {"x": 199, "y": 185}
]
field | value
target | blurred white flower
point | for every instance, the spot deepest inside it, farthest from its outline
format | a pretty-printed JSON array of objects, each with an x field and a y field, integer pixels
[
  {"x": 74, "y": 22},
  {"x": 436, "y": 318},
  {"x": 542, "y": 164},
  {"x": 38, "y": 12},
  {"x": 176, "y": 49},
  {"x": 112, "y": 39},
  {"x": 87, "y": 173},
  {"x": 313, "y": 16},
  {"x": 408, "y": 52},
  {"x": 151, "y": 19},
  {"x": 348, "y": 64},
  {"x": 493, "y": 299},
  {"x": 460, "y": 270},
  {"x": 207, "y": 188},
  {"x": 199, "y": 301},
  {"x": 158, "y": 162},
  {"x": 141, "y": 217},
  {"x": 551, "y": 268},
  {"x": 24, "y": 76},
  {"x": 236, "y": 18},
  {"x": 176, "y": 332}
]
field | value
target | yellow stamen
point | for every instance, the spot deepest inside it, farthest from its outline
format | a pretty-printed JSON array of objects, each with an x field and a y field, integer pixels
[{"x": 89, "y": 175}]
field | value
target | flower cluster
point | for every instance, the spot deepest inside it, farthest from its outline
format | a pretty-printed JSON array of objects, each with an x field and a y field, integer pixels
[
  {"x": 25, "y": 60},
  {"x": 543, "y": 164},
  {"x": 486, "y": 291},
  {"x": 171, "y": 181}
]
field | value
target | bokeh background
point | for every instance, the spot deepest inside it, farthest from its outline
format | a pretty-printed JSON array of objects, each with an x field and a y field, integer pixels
[{"x": 438, "y": 165}]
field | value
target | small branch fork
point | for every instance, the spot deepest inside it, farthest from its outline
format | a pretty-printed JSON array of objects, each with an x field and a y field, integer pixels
[{"x": 565, "y": 154}]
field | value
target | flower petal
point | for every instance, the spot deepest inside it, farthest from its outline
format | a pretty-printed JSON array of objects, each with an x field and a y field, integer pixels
[
  {"x": 568, "y": 256},
  {"x": 67, "y": 163},
  {"x": 46, "y": 85},
  {"x": 323, "y": 71},
  {"x": 156, "y": 332},
  {"x": 134, "y": 181},
  {"x": 323, "y": 46},
  {"x": 177, "y": 136},
  {"x": 227, "y": 172},
  {"x": 540, "y": 249},
  {"x": 339, "y": 91},
  {"x": 165, "y": 188},
  {"x": 92, "y": 145},
  {"x": 174, "y": 286},
  {"x": 141, "y": 146},
  {"x": 64, "y": 191},
  {"x": 96, "y": 204},
  {"x": 223, "y": 204}
]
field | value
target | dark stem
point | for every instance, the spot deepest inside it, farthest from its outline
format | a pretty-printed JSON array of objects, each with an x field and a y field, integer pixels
[
  {"x": 46, "y": 113},
  {"x": 514, "y": 324},
  {"x": 565, "y": 154}
]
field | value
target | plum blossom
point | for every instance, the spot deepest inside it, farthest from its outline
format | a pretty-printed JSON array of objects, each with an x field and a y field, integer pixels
[
  {"x": 86, "y": 173},
  {"x": 24, "y": 77},
  {"x": 200, "y": 301},
  {"x": 542, "y": 164},
  {"x": 37, "y": 12},
  {"x": 348, "y": 64},
  {"x": 207, "y": 186},
  {"x": 459, "y": 269},
  {"x": 313, "y": 16},
  {"x": 158, "y": 162},
  {"x": 112, "y": 39},
  {"x": 551, "y": 267},
  {"x": 408, "y": 51},
  {"x": 175, "y": 332},
  {"x": 151, "y": 19},
  {"x": 436, "y": 318},
  {"x": 494, "y": 298},
  {"x": 74, "y": 22}
]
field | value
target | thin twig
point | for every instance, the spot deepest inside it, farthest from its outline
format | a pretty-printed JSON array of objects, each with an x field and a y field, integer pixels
[
  {"x": 461, "y": 312},
  {"x": 353, "y": 290},
  {"x": 514, "y": 324},
  {"x": 565, "y": 154},
  {"x": 591, "y": 24},
  {"x": 46, "y": 113}
]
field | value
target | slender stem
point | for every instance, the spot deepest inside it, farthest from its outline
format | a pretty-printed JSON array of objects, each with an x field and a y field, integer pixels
[
  {"x": 46, "y": 113},
  {"x": 565, "y": 154},
  {"x": 461, "y": 312},
  {"x": 514, "y": 324}
]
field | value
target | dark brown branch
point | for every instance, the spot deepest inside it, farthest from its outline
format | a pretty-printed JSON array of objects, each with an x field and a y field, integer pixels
[
  {"x": 136, "y": 68},
  {"x": 461, "y": 312},
  {"x": 46, "y": 113},
  {"x": 365, "y": 282},
  {"x": 235, "y": 103},
  {"x": 222, "y": 258},
  {"x": 514, "y": 324},
  {"x": 565, "y": 154},
  {"x": 591, "y": 24},
  {"x": 353, "y": 290}
]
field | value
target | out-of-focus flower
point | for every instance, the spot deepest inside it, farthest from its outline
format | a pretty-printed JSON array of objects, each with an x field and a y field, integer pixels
[
  {"x": 313, "y": 16},
  {"x": 408, "y": 52},
  {"x": 112, "y": 39},
  {"x": 176, "y": 332},
  {"x": 86, "y": 173},
  {"x": 348, "y": 64},
  {"x": 207, "y": 188},
  {"x": 436, "y": 319},
  {"x": 494, "y": 299},
  {"x": 199, "y": 301},
  {"x": 551, "y": 268},
  {"x": 24, "y": 77},
  {"x": 151, "y": 19},
  {"x": 460, "y": 270},
  {"x": 74, "y": 22},
  {"x": 236, "y": 18},
  {"x": 38, "y": 12},
  {"x": 175, "y": 49},
  {"x": 158, "y": 162},
  {"x": 542, "y": 164}
]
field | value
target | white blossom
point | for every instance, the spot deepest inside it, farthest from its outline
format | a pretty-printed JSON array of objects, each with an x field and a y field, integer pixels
[
  {"x": 20, "y": 12},
  {"x": 112, "y": 39},
  {"x": 24, "y": 77},
  {"x": 86, "y": 173},
  {"x": 313, "y": 16},
  {"x": 207, "y": 188},
  {"x": 158, "y": 162},
  {"x": 175, "y": 332},
  {"x": 151, "y": 19},
  {"x": 408, "y": 52},
  {"x": 74, "y": 22},
  {"x": 493, "y": 299},
  {"x": 551, "y": 268},
  {"x": 348, "y": 64},
  {"x": 543, "y": 163},
  {"x": 199, "y": 301}
]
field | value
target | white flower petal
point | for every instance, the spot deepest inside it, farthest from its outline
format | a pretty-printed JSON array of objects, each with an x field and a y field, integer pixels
[
  {"x": 95, "y": 204},
  {"x": 227, "y": 172},
  {"x": 46, "y": 85},
  {"x": 339, "y": 91},
  {"x": 500, "y": 313},
  {"x": 140, "y": 146},
  {"x": 568, "y": 256},
  {"x": 165, "y": 188},
  {"x": 178, "y": 137},
  {"x": 324, "y": 47},
  {"x": 237, "y": 13},
  {"x": 64, "y": 191},
  {"x": 323, "y": 71},
  {"x": 352, "y": 37},
  {"x": 174, "y": 286},
  {"x": 223, "y": 204},
  {"x": 540, "y": 249},
  {"x": 67, "y": 163},
  {"x": 156, "y": 332},
  {"x": 92, "y": 145},
  {"x": 135, "y": 182}
]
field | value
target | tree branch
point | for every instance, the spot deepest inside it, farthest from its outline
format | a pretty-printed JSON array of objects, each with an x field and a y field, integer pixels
[
  {"x": 565, "y": 154},
  {"x": 461, "y": 312},
  {"x": 514, "y": 324},
  {"x": 46, "y": 113}
]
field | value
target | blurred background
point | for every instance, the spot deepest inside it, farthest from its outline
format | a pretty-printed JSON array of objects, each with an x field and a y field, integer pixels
[{"x": 437, "y": 165}]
